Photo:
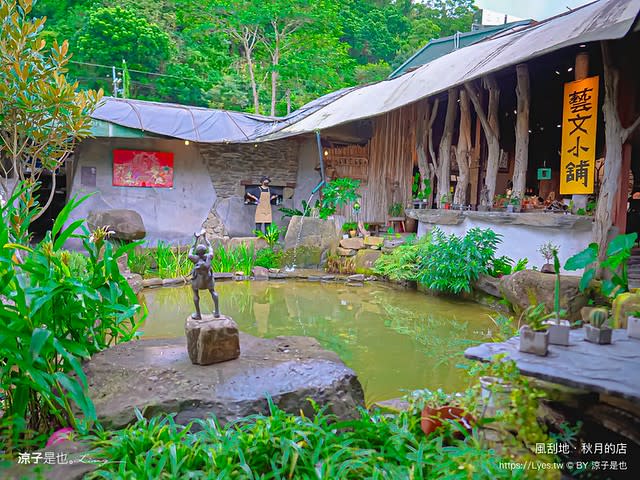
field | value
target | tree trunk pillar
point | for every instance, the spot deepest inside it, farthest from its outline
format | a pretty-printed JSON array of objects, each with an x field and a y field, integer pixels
[
  {"x": 522, "y": 131},
  {"x": 444, "y": 173},
  {"x": 463, "y": 150}
]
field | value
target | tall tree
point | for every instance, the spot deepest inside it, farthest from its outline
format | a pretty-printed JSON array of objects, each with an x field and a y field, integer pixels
[{"x": 43, "y": 115}]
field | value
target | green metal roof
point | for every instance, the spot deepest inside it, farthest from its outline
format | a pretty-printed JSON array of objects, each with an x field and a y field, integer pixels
[
  {"x": 442, "y": 46},
  {"x": 100, "y": 128}
]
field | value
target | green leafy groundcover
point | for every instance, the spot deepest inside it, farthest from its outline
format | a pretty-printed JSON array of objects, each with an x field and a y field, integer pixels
[{"x": 374, "y": 445}]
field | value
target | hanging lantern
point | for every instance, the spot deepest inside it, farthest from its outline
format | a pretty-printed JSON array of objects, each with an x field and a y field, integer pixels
[{"x": 356, "y": 206}]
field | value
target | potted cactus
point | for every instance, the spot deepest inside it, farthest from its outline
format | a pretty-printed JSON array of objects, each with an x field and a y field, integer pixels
[
  {"x": 633, "y": 325},
  {"x": 534, "y": 337},
  {"x": 558, "y": 331},
  {"x": 596, "y": 331}
]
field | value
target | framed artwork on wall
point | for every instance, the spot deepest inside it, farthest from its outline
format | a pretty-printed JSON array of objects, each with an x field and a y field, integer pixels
[
  {"x": 140, "y": 168},
  {"x": 503, "y": 162}
]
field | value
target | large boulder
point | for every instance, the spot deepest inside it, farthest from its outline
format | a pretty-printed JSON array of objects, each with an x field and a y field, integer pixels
[
  {"x": 156, "y": 376},
  {"x": 308, "y": 241},
  {"x": 127, "y": 224},
  {"x": 530, "y": 286}
]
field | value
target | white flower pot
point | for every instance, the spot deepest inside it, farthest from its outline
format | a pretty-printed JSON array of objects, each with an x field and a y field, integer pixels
[
  {"x": 534, "y": 342},
  {"x": 633, "y": 327},
  {"x": 559, "y": 334}
]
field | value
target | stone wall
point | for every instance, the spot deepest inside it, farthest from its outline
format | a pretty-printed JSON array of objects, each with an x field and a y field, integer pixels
[{"x": 231, "y": 164}]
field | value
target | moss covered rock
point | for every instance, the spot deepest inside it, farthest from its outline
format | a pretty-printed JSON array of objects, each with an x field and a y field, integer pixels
[{"x": 365, "y": 259}]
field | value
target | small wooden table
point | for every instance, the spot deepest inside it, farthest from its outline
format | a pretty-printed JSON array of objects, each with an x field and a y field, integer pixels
[{"x": 397, "y": 220}]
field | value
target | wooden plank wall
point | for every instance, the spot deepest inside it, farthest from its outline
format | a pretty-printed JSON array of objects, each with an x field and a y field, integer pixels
[
  {"x": 392, "y": 154},
  {"x": 384, "y": 166}
]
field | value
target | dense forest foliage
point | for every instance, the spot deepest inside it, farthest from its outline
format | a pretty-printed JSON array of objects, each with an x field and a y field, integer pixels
[{"x": 262, "y": 56}]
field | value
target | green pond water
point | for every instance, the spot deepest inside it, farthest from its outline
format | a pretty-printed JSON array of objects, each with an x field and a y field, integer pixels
[{"x": 396, "y": 340}]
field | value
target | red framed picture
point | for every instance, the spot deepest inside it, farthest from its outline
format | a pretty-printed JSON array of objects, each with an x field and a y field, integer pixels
[{"x": 139, "y": 168}]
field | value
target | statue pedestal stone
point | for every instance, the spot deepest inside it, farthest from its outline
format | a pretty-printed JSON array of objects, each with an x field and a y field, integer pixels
[{"x": 212, "y": 340}]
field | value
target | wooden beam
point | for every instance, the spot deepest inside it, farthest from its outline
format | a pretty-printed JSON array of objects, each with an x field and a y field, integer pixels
[{"x": 523, "y": 94}]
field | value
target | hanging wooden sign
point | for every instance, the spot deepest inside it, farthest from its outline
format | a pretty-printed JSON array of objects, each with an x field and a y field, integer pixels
[
  {"x": 544, "y": 174},
  {"x": 579, "y": 122},
  {"x": 349, "y": 161}
]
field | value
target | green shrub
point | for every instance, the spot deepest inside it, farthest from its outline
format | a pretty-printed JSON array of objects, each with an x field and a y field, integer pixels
[
  {"x": 452, "y": 263},
  {"x": 240, "y": 258},
  {"x": 615, "y": 264},
  {"x": 402, "y": 262},
  {"x": 446, "y": 263},
  {"x": 338, "y": 193},
  {"x": 271, "y": 236},
  {"x": 172, "y": 262},
  {"x": 268, "y": 258},
  {"x": 280, "y": 445},
  {"x": 52, "y": 317},
  {"x": 140, "y": 261},
  {"x": 78, "y": 264}
]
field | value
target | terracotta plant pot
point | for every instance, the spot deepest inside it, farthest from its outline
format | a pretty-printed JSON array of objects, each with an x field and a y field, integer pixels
[
  {"x": 633, "y": 327},
  {"x": 433, "y": 418},
  {"x": 534, "y": 342},
  {"x": 601, "y": 336}
]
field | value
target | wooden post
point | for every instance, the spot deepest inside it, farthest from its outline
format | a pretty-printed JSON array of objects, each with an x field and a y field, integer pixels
[
  {"x": 581, "y": 72},
  {"x": 432, "y": 153},
  {"x": 491, "y": 128},
  {"x": 522, "y": 131},
  {"x": 474, "y": 162},
  {"x": 444, "y": 153},
  {"x": 422, "y": 139},
  {"x": 463, "y": 149},
  {"x": 615, "y": 136},
  {"x": 582, "y": 66}
]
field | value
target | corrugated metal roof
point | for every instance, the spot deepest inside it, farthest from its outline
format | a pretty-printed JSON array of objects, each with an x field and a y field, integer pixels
[
  {"x": 601, "y": 20},
  {"x": 442, "y": 46},
  {"x": 199, "y": 124}
]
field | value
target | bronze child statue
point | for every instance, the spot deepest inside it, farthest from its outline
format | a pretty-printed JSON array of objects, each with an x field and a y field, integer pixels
[{"x": 201, "y": 275}]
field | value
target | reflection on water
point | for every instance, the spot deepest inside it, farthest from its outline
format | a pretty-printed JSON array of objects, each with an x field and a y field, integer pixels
[{"x": 395, "y": 340}]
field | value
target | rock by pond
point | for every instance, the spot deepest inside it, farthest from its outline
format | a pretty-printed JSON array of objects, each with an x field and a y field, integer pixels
[
  {"x": 523, "y": 287},
  {"x": 156, "y": 376}
]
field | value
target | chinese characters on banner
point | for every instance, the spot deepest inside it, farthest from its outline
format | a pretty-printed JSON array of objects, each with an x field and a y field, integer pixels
[{"x": 579, "y": 121}]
